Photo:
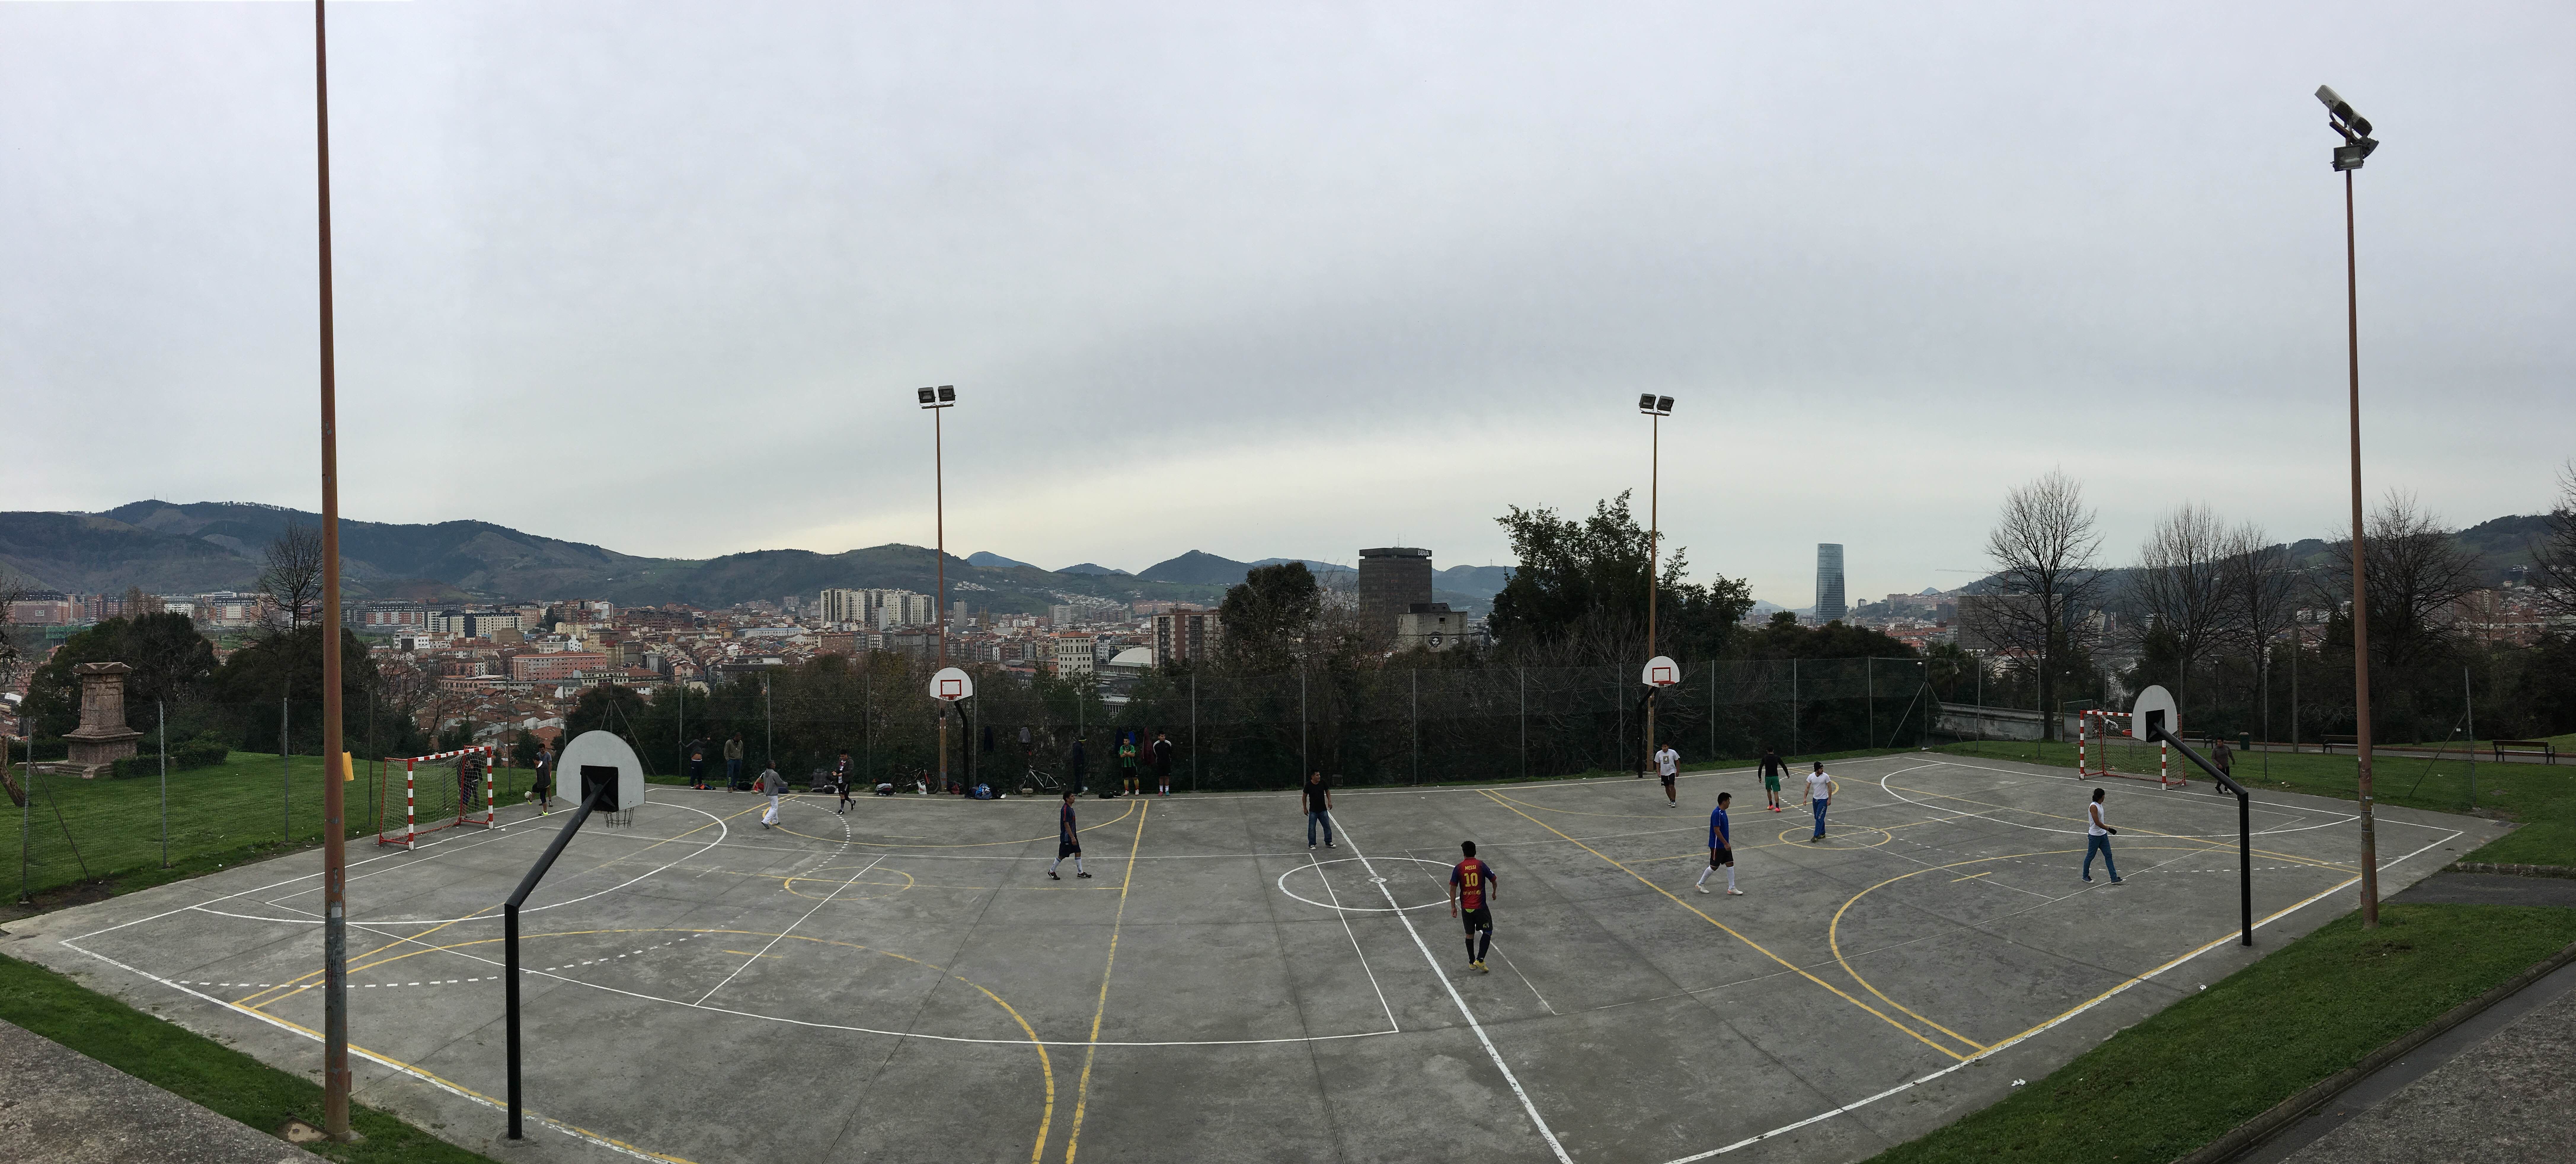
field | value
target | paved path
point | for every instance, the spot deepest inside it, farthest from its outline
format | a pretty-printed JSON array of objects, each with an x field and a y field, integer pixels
[
  {"x": 2491, "y": 1091},
  {"x": 58, "y": 1106}
]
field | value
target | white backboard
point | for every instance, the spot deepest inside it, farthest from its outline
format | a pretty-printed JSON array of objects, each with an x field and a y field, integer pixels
[
  {"x": 1661, "y": 671},
  {"x": 952, "y": 684},
  {"x": 2154, "y": 699},
  {"x": 598, "y": 749}
]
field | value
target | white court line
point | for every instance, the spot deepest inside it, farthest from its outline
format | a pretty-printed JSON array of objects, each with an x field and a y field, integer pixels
[
  {"x": 2294, "y": 812},
  {"x": 1497, "y": 1056},
  {"x": 2045, "y": 1027},
  {"x": 1391, "y": 1024},
  {"x": 791, "y": 928}
]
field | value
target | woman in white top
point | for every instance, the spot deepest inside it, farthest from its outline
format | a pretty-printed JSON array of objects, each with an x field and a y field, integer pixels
[
  {"x": 2097, "y": 838},
  {"x": 1820, "y": 793}
]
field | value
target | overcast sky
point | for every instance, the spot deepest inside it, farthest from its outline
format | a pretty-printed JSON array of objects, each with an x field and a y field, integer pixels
[{"x": 1287, "y": 279}]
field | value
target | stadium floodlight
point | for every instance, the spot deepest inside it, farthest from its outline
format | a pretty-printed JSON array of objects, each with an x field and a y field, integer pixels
[
  {"x": 2353, "y": 126},
  {"x": 1653, "y": 405},
  {"x": 1656, "y": 408},
  {"x": 943, "y": 396},
  {"x": 2347, "y": 157}
]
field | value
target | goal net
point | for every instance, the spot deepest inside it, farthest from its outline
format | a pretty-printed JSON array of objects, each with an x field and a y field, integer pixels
[
  {"x": 420, "y": 795},
  {"x": 2104, "y": 749}
]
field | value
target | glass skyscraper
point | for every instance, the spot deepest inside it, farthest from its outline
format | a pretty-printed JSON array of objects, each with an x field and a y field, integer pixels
[{"x": 1829, "y": 583}]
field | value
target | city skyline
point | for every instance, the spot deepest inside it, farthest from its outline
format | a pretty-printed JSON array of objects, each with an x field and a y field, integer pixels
[{"x": 1204, "y": 279}]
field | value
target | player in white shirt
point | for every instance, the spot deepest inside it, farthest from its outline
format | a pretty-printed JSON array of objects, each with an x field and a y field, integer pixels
[
  {"x": 1668, "y": 764},
  {"x": 2097, "y": 838},
  {"x": 1820, "y": 793}
]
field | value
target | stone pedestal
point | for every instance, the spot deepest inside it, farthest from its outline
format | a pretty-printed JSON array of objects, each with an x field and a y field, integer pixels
[{"x": 102, "y": 738}]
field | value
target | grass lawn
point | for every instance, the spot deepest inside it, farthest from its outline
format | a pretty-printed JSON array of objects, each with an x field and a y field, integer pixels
[
  {"x": 2202, "y": 1066},
  {"x": 200, "y": 1069},
  {"x": 2541, "y": 797},
  {"x": 106, "y": 835}
]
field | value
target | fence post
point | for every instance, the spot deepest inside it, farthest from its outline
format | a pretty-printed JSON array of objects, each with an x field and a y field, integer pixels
[
  {"x": 1417, "y": 726},
  {"x": 285, "y": 779},
  {"x": 1869, "y": 695},
  {"x": 1305, "y": 757},
  {"x": 161, "y": 712},
  {"x": 1194, "y": 731},
  {"x": 26, "y": 805},
  {"x": 2469, "y": 698},
  {"x": 1712, "y": 709},
  {"x": 1793, "y": 705}
]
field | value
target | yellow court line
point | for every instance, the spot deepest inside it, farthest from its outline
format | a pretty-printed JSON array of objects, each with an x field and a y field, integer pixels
[
  {"x": 1082, "y": 1095},
  {"x": 1974, "y": 876},
  {"x": 1130, "y": 811},
  {"x": 1732, "y": 932}
]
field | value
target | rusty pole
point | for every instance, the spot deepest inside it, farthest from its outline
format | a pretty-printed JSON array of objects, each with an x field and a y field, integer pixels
[{"x": 335, "y": 855}]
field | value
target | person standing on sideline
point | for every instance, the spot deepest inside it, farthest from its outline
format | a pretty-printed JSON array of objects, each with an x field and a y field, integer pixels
[
  {"x": 1068, "y": 840},
  {"x": 1078, "y": 765},
  {"x": 698, "y": 762},
  {"x": 1163, "y": 763},
  {"x": 771, "y": 785},
  {"x": 1471, "y": 884},
  {"x": 1668, "y": 764},
  {"x": 1319, "y": 809},
  {"x": 1127, "y": 763},
  {"x": 841, "y": 776},
  {"x": 1773, "y": 772},
  {"x": 733, "y": 763},
  {"x": 542, "y": 784},
  {"x": 2097, "y": 838},
  {"x": 1721, "y": 847},
  {"x": 2224, "y": 761},
  {"x": 1820, "y": 793}
]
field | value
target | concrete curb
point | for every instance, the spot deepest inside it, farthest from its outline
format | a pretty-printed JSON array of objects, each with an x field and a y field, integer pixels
[
  {"x": 2509, "y": 870},
  {"x": 2251, "y": 1134}
]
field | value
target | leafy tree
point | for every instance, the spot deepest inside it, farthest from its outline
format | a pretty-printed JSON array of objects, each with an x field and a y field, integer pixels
[
  {"x": 1785, "y": 638},
  {"x": 1579, "y": 593},
  {"x": 171, "y": 662},
  {"x": 605, "y": 707},
  {"x": 523, "y": 749},
  {"x": 288, "y": 665},
  {"x": 1269, "y": 619}
]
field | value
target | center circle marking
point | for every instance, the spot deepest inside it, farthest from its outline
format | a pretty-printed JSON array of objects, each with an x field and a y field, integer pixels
[{"x": 1317, "y": 868}]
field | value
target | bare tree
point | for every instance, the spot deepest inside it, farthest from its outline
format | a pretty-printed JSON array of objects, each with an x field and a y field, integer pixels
[
  {"x": 2258, "y": 580},
  {"x": 137, "y": 603},
  {"x": 293, "y": 576},
  {"x": 2047, "y": 558},
  {"x": 2181, "y": 584},
  {"x": 2553, "y": 560},
  {"x": 2418, "y": 574}
]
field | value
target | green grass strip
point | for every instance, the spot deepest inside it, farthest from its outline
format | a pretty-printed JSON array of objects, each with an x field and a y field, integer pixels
[
  {"x": 2198, "y": 1068},
  {"x": 201, "y": 1070}
]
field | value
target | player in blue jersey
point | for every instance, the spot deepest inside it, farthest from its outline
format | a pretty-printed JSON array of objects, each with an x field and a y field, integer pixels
[
  {"x": 1068, "y": 840},
  {"x": 1721, "y": 847}
]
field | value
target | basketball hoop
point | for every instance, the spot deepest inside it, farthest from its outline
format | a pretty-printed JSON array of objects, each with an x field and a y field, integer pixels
[
  {"x": 1661, "y": 671},
  {"x": 951, "y": 684}
]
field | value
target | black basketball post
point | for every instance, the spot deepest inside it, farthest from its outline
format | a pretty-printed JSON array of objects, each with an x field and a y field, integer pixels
[
  {"x": 604, "y": 794},
  {"x": 2244, "y": 819}
]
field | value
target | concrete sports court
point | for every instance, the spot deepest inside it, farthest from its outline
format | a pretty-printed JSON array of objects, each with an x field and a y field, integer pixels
[{"x": 905, "y": 983}]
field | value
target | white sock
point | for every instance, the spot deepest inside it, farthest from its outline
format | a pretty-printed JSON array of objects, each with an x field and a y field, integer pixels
[
  {"x": 1703, "y": 878},
  {"x": 1058, "y": 861},
  {"x": 1077, "y": 862},
  {"x": 1730, "y": 874}
]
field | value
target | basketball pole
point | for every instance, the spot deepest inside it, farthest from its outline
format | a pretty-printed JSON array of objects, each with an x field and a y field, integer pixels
[{"x": 335, "y": 849}]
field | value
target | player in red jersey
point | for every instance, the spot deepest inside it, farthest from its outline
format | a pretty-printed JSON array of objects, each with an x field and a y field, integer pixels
[{"x": 1471, "y": 885}]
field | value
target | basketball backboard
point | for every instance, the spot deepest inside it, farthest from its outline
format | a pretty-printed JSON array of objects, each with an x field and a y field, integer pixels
[
  {"x": 595, "y": 757},
  {"x": 2154, "y": 707},
  {"x": 1661, "y": 671},
  {"x": 952, "y": 684}
]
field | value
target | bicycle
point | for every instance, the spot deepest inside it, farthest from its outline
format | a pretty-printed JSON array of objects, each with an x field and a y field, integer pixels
[{"x": 1038, "y": 781}]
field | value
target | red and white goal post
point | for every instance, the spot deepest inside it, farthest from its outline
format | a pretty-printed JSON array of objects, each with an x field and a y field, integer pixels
[
  {"x": 2103, "y": 749},
  {"x": 438, "y": 791}
]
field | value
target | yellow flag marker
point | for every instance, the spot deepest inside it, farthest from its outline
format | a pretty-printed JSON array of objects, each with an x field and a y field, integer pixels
[{"x": 348, "y": 768}]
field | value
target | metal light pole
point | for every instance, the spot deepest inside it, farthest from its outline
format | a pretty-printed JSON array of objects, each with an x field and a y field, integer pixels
[
  {"x": 2348, "y": 157},
  {"x": 335, "y": 855},
  {"x": 935, "y": 399},
  {"x": 1656, "y": 409}
]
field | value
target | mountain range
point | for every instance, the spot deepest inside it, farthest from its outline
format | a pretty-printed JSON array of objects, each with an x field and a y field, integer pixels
[{"x": 170, "y": 548}]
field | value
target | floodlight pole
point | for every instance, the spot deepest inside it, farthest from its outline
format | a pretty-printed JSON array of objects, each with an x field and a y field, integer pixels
[
  {"x": 1654, "y": 527},
  {"x": 937, "y": 400},
  {"x": 335, "y": 851},
  {"x": 2360, "y": 590}
]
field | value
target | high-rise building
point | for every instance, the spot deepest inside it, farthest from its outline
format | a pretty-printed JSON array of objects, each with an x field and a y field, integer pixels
[
  {"x": 917, "y": 610},
  {"x": 1060, "y": 616},
  {"x": 1829, "y": 583},
  {"x": 1186, "y": 636},
  {"x": 1392, "y": 579}
]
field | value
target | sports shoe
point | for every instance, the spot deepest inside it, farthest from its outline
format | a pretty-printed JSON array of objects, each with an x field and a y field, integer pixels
[
  {"x": 1732, "y": 891},
  {"x": 1051, "y": 876},
  {"x": 1701, "y": 888},
  {"x": 1082, "y": 874},
  {"x": 2115, "y": 880},
  {"x": 1480, "y": 967},
  {"x": 1310, "y": 846},
  {"x": 1330, "y": 845},
  {"x": 2088, "y": 878}
]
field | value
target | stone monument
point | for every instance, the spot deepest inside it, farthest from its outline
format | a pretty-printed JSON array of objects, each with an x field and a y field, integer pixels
[{"x": 102, "y": 738}]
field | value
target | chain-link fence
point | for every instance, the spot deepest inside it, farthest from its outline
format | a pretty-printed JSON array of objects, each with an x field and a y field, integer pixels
[{"x": 1385, "y": 726}]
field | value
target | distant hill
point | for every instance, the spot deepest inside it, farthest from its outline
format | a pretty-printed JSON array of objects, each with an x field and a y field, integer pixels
[
  {"x": 168, "y": 547},
  {"x": 1092, "y": 568},
  {"x": 988, "y": 558}
]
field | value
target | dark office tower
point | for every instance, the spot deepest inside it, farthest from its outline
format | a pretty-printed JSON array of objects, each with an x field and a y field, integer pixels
[
  {"x": 1829, "y": 583},
  {"x": 1392, "y": 579}
]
